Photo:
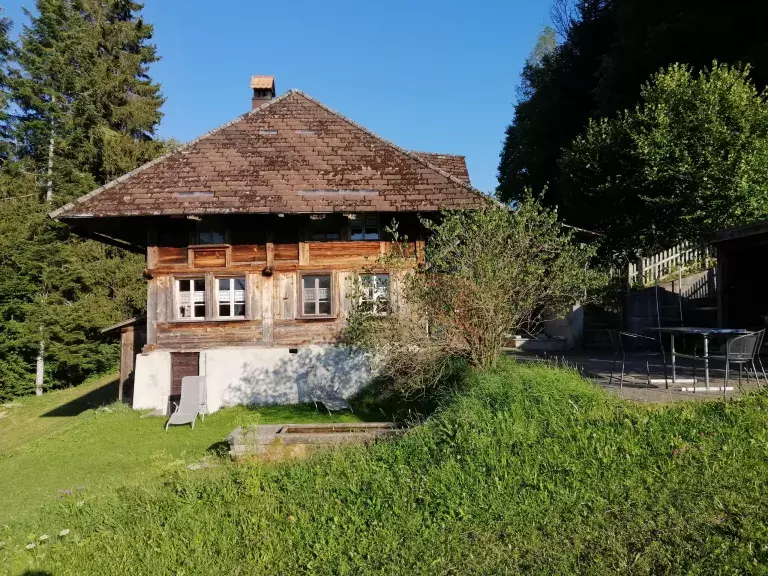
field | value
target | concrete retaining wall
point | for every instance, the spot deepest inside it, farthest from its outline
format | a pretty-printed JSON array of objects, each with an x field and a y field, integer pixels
[{"x": 257, "y": 376}]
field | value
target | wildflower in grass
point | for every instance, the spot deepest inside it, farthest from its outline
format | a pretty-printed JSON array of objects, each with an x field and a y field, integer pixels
[
  {"x": 30, "y": 546},
  {"x": 80, "y": 503},
  {"x": 64, "y": 532},
  {"x": 44, "y": 537}
]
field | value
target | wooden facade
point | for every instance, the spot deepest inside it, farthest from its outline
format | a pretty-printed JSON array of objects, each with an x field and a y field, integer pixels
[{"x": 271, "y": 274}]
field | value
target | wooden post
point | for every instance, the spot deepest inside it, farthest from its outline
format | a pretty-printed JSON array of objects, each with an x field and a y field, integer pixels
[
  {"x": 267, "y": 299},
  {"x": 152, "y": 311},
  {"x": 127, "y": 359}
]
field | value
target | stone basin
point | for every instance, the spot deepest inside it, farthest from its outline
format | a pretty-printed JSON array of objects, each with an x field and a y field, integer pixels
[{"x": 260, "y": 440}]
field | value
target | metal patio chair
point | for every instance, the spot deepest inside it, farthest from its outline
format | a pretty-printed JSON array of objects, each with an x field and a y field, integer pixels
[
  {"x": 742, "y": 350},
  {"x": 331, "y": 399},
  {"x": 627, "y": 344}
]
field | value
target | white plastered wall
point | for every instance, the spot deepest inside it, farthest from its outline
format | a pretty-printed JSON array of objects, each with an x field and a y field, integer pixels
[
  {"x": 259, "y": 376},
  {"x": 152, "y": 380}
]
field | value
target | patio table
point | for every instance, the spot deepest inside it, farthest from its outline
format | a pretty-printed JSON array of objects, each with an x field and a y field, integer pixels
[{"x": 706, "y": 334}]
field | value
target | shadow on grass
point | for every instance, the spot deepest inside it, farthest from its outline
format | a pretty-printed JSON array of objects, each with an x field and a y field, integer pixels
[
  {"x": 95, "y": 398},
  {"x": 297, "y": 413},
  {"x": 219, "y": 448},
  {"x": 385, "y": 400},
  {"x": 36, "y": 573}
]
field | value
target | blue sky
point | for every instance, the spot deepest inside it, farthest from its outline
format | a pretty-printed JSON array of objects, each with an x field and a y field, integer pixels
[{"x": 437, "y": 76}]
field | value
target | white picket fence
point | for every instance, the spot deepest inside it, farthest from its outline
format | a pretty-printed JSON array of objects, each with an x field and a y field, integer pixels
[{"x": 647, "y": 271}]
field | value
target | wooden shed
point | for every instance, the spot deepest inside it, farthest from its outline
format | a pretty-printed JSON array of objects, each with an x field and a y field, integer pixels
[
  {"x": 133, "y": 337},
  {"x": 742, "y": 276}
]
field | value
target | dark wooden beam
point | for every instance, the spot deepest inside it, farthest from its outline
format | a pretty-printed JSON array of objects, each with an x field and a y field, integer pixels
[{"x": 104, "y": 239}]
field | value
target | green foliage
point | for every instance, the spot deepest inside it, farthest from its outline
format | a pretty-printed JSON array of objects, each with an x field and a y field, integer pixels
[
  {"x": 608, "y": 50},
  {"x": 533, "y": 470},
  {"x": 83, "y": 81},
  {"x": 489, "y": 273},
  {"x": 61, "y": 290},
  {"x": 79, "y": 82},
  {"x": 691, "y": 158}
]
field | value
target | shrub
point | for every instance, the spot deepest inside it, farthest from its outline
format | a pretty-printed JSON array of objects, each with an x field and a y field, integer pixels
[{"x": 488, "y": 273}]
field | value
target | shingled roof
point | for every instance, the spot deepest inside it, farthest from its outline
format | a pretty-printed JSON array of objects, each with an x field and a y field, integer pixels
[{"x": 290, "y": 155}]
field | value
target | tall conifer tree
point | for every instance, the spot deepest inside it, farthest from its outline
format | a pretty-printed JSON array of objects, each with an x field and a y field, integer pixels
[{"x": 85, "y": 112}]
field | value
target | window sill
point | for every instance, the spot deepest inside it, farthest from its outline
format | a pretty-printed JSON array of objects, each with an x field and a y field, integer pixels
[{"x": 318, "y": 318}]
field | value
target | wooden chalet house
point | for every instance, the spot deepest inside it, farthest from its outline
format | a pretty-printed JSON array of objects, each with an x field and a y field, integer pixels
[{"x": 253, "y": 234}]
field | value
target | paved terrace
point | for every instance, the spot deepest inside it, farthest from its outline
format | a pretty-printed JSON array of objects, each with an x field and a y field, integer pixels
[{"x": 597, "y": 367}]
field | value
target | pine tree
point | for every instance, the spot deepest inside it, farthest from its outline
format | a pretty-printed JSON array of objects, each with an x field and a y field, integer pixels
[
  {"x": 85, "y": 112},
  {"x": 6, "y": 52},
  {"x": 84, "y": 89}
]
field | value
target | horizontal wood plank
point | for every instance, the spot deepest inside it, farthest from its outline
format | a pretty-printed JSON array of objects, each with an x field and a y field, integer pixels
[
  {"x": 285, "y": 252},
  {"x": 170, "y": 256},
  {"x": 249, "y": 253}
]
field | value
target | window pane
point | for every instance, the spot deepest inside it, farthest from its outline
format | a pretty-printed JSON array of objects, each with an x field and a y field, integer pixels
[
  {"x": 199, "y": 285},
  {"x": 199, "y": 310},
  {"x": 210, "y": 237},
  {"x": 357, "y": 234},
  {"x": 239, "y": 310},
  {"x": 223, "y": 283},
  {"x": 325, "y": 307},
  {"x": 185, "y": 311},
  {"x": 309, "y": 281},
  {"x": 183, "y": 285},
  {"x": 309, "y": 307},
  {"x": 324, "y": 281},
  {"x": 224, "y": 310},
  {"x": 239, "y": 283}
]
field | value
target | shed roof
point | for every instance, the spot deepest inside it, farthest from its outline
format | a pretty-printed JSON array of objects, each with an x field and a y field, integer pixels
[
  {"x": 136, "y": 321},
  {"x": 740, "y": 232},
  {"x": 290, "y": 155}
]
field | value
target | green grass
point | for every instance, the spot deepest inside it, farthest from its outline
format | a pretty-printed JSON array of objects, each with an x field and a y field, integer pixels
[
  {"x": 80, "y": 438},
  {"x": 531, "y": 470}
]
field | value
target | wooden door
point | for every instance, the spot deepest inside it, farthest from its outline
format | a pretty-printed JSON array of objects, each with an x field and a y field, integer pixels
[{"x": 182, "y": 364}]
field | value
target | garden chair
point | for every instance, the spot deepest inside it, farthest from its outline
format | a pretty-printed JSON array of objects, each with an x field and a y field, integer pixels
[
  {"x": 742, "y": 351},
  {"x": 626, "y": 344},
  {"x": 188, "y": 407},
  {"x": 331, "y": 399}
]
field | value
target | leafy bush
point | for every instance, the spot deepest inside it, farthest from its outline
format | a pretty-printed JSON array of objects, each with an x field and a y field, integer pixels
[
  {"x": 487, "y": 274},
  {"x": 690, "y": 159},
  {"x": 532, "y": 470}
]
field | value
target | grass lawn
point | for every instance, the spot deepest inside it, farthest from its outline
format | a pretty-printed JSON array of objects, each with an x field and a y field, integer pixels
[
  {"x": 80, "y": 438},
  {"x": 530, "y": 470}
]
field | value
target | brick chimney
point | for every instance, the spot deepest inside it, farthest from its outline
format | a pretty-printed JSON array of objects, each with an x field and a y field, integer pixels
[{"x": 263, "y": 90}]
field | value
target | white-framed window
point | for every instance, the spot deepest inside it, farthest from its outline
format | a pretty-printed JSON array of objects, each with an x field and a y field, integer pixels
[
  {"x": 230, "y": 297},
  {"x": 190, "y": 297},
  {"x": 316, "y": 295},
  {"x": 375, "y": 293},
  {"x": 364, "y": 227}
]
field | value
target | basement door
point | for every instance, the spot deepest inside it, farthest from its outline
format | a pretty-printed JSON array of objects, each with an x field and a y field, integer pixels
[{"x": 182, "y": 364}]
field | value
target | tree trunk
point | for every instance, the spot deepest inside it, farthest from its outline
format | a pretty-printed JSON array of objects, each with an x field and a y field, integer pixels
[
  {"x": 49, "y": 184},
  {"x": 40, "y": 369}
]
